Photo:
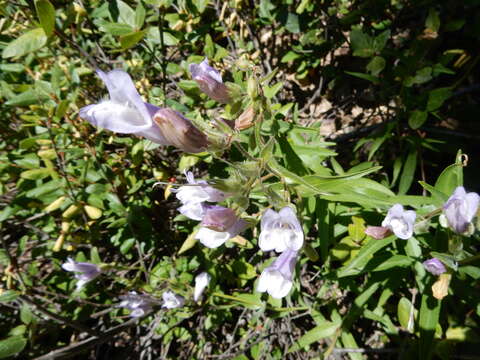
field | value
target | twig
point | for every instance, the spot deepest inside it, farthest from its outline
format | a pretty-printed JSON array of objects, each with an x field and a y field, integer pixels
[
  {"x": 73, "y": 324},
  {"x": 77, "y": 348}
]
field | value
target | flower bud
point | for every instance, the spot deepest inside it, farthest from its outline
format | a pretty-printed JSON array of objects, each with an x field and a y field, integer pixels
[
  {"x": 210, "y": 81},
  {"x": 179, "y": 131},
  {"x": 252, "y": 88},
  {"x": 201, "y": 282},
  {"x": 246, "y": 119}
]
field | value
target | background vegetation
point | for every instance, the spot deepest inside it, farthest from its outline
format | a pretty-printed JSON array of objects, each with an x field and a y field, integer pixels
[{"x": 370, "y": 103}]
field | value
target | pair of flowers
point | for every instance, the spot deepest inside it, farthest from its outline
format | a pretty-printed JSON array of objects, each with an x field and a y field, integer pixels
[
  {"x": 283, "y": 233},
  {"x": 218, "y": 223},
  {"x": 126, "y": 113},
  {"x": 458, "y": 213},
  {"x": 138, "y": 304},
  {"x": 141, "y": 304}
]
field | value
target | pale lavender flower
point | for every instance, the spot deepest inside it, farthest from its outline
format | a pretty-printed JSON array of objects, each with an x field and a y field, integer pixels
[
  {"x": 201, "y": 282},
  {"x": 138, "y": 304},
  {"x": 85, "y": 271},
  {"x": 194, "y": 194},
  {"x": 400, "y": 221},
  {"x": 213, "y": 239},
  {"x": 434, "y": 266},
  {"x": 277, "y": 279},
  {"x": 179, "y": 131},
  {"x": 125, "y": 112},
  {"x": 210, "y": 81},
  {"x": 460, "y": 209},
  {"x": 172, "y": 300},
  {"x": 280, "y": 231}
]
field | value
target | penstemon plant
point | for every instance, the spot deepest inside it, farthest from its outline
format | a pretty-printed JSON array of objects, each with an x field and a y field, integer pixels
[{"x": 175, "y": 184}]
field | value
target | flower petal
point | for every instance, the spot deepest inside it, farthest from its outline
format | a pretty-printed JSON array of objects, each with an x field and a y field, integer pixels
[
  {"x": 115, "y": 117},
  {"x": 122, "y": 89},
  {"x": 210, "y": 238}
]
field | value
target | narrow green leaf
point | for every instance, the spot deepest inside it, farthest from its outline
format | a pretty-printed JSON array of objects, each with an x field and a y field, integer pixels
[
  {"x": 321, "y": 331},
  {"x": 437, "y": 97},
  {"x": 271, "y": 91},
  {"x": 404, "y": 309},
  {"x": 449, "y": 179},
  {"x": 429, "y": 316},
  {"x": 359, "y": 262},
  {"x": 417, "y": 119},
  {"x": 46, "y": 14},
  {"x": 139, "y": 16},
  {"x": 8, "y": 295},
  {"x": 36, "y": 174},
  {"x": 30, "y": 41},
  {"x": 132, "y": 39},
  {"x": 376, "y": 65},
  {"x": 364, "y": 76},
  {"x": 11, "y": 346},
  {"x": 408, "y": 172},
  {"x": 349, "y": 342}
]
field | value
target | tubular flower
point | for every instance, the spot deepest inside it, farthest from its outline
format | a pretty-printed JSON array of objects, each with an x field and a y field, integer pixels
[
  {"x": 213, "y": 239},
  {"x": 400, "y": 221},
  {"x": 460, "y": 209},
  {"x": 179, "y": 131},
  {"x": 210, "y": 81},
  {"x": 280, "y": 231},
  {"x": 172, "y": 300},
  {"x": 201, "y": 282},
  {"x": 277, "y": 278},
  {"x": 85, "y": 271},
  {"x": 194, "y": 194},
  {"x": 138, "y": 304},
  {"x": 434, "y": 266},
  {"x": 125, "y": 112}
]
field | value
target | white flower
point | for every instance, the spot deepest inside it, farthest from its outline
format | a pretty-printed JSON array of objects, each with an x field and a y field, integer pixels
[
  {"x": 213, "y": 239},
  {"x": 194, "y": 194},
  {"x": 460, "y": 209},
  {"x": 400, "y": 221},
  {"x": 138, "y": 304},
  {"x": 85, "y": 271},
  {"x": 125, "y": 112},
  {"x": 277, "y": 278},
  {"x": 201, "y": 282},
  {"x": 280, "y": 231},
  {"x": 172, "y": 300}
]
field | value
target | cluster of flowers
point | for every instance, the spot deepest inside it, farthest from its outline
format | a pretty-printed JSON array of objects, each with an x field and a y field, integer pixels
[
  {"x": 218, "y": 223},
  {"x": 126, "y": 113},
  {"x": 280, "y": 231},
  {"x": 458, "y": 213},
  {"x": 138, "y": 304}
]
